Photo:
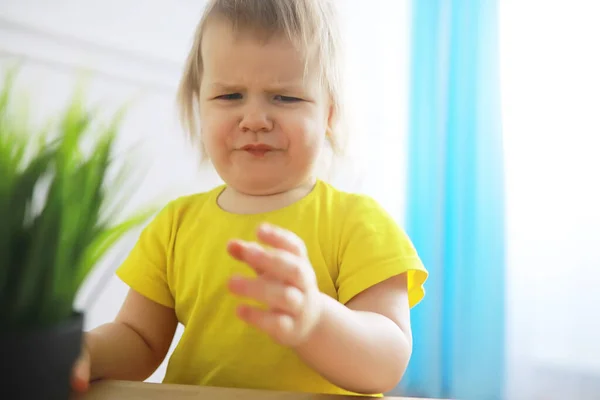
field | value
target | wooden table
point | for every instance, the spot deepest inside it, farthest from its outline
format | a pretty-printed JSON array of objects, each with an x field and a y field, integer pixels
[{"x": 120, "y": 390}]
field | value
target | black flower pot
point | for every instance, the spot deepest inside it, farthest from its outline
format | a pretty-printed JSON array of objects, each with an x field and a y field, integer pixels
[{"x": 37, "y": 364}]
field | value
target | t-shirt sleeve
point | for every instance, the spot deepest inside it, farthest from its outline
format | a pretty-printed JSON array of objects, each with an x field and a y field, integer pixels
[
  {"x": 145, "y": 268},
  {"x": 374, "y": 248}
]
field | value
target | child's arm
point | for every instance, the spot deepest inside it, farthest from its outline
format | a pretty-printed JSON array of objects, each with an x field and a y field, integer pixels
[
  {"x": 363, "y": 346},
  {"x": 131, "y": 347}
]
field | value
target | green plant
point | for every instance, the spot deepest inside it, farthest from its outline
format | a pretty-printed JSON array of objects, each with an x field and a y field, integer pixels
[{"x": 57, "y": 209}]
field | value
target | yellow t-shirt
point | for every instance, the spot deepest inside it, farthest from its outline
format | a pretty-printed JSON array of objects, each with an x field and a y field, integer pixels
[{"x": 181, "y": 261}]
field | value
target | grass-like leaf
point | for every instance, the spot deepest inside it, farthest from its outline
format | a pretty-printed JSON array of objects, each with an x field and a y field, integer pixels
[{"x": 55, "y": 203}]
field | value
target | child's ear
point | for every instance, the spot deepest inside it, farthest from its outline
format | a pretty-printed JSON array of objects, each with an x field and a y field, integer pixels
[{"x": 330, "y": 118}]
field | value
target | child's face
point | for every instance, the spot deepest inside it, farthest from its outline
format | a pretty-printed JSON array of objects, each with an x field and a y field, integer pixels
[{"x": 263, "y": 125}]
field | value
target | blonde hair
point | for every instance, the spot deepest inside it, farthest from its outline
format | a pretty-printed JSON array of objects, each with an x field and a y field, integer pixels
[{"x": 311, "y": 25}]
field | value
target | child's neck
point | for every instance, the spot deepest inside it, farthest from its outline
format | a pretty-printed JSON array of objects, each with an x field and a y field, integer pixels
[{"x": 238, "y": 202}]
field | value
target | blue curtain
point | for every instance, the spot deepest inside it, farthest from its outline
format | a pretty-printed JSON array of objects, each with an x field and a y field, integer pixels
[{"x": 455, "y": 209}]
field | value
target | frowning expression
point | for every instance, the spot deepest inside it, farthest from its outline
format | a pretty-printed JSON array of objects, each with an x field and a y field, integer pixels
[{"x": 263, "y": 120}]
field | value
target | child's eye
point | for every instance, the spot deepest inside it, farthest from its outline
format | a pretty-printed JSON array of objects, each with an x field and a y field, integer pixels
[
  {"x": 287, "y": 99},
  {"x": 231, "y": 96}
]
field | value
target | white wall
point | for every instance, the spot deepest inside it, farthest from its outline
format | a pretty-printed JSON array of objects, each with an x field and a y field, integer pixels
[
  {"x": 550, "y": 55},
  {"x": 135, "y": 48}
]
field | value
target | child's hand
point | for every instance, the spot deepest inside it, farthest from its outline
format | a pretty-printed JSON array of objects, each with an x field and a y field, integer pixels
[
  {"x": 80, "y": 375},
  {"x": 286, "y": 283}
]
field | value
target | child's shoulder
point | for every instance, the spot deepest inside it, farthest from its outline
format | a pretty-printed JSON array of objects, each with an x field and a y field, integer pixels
[
  {"x": 191, "y": 203},
  {"x": 346, "y": 201},
  {"x": 196, "y": 198}
]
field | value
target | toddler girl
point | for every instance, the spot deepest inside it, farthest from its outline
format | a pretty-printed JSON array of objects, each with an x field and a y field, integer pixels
[{"x": 281, "y": 281}]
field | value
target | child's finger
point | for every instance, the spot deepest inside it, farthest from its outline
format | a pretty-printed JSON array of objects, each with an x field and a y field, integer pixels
[
  {"x": 279, "y": 326},
  {"x": 277, "y": 264},
  {"x": 81, "y": 374},
  {"x": 238, "y": 249},
  {"x": 283, "y": 298},
  {"x": 282, "y": 239}
]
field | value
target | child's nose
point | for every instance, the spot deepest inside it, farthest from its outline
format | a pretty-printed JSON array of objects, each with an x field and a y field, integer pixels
[{"x": 255, "y": 119}]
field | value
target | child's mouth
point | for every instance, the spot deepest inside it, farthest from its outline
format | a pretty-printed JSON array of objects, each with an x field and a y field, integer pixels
[{"x": 257, "y": 150}]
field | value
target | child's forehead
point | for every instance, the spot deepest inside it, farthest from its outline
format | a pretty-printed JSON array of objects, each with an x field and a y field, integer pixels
[
  {"x": 221, "y": 38},
  {"x": 229, "y": 55},
  {"x": 222, "y": 30}
]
